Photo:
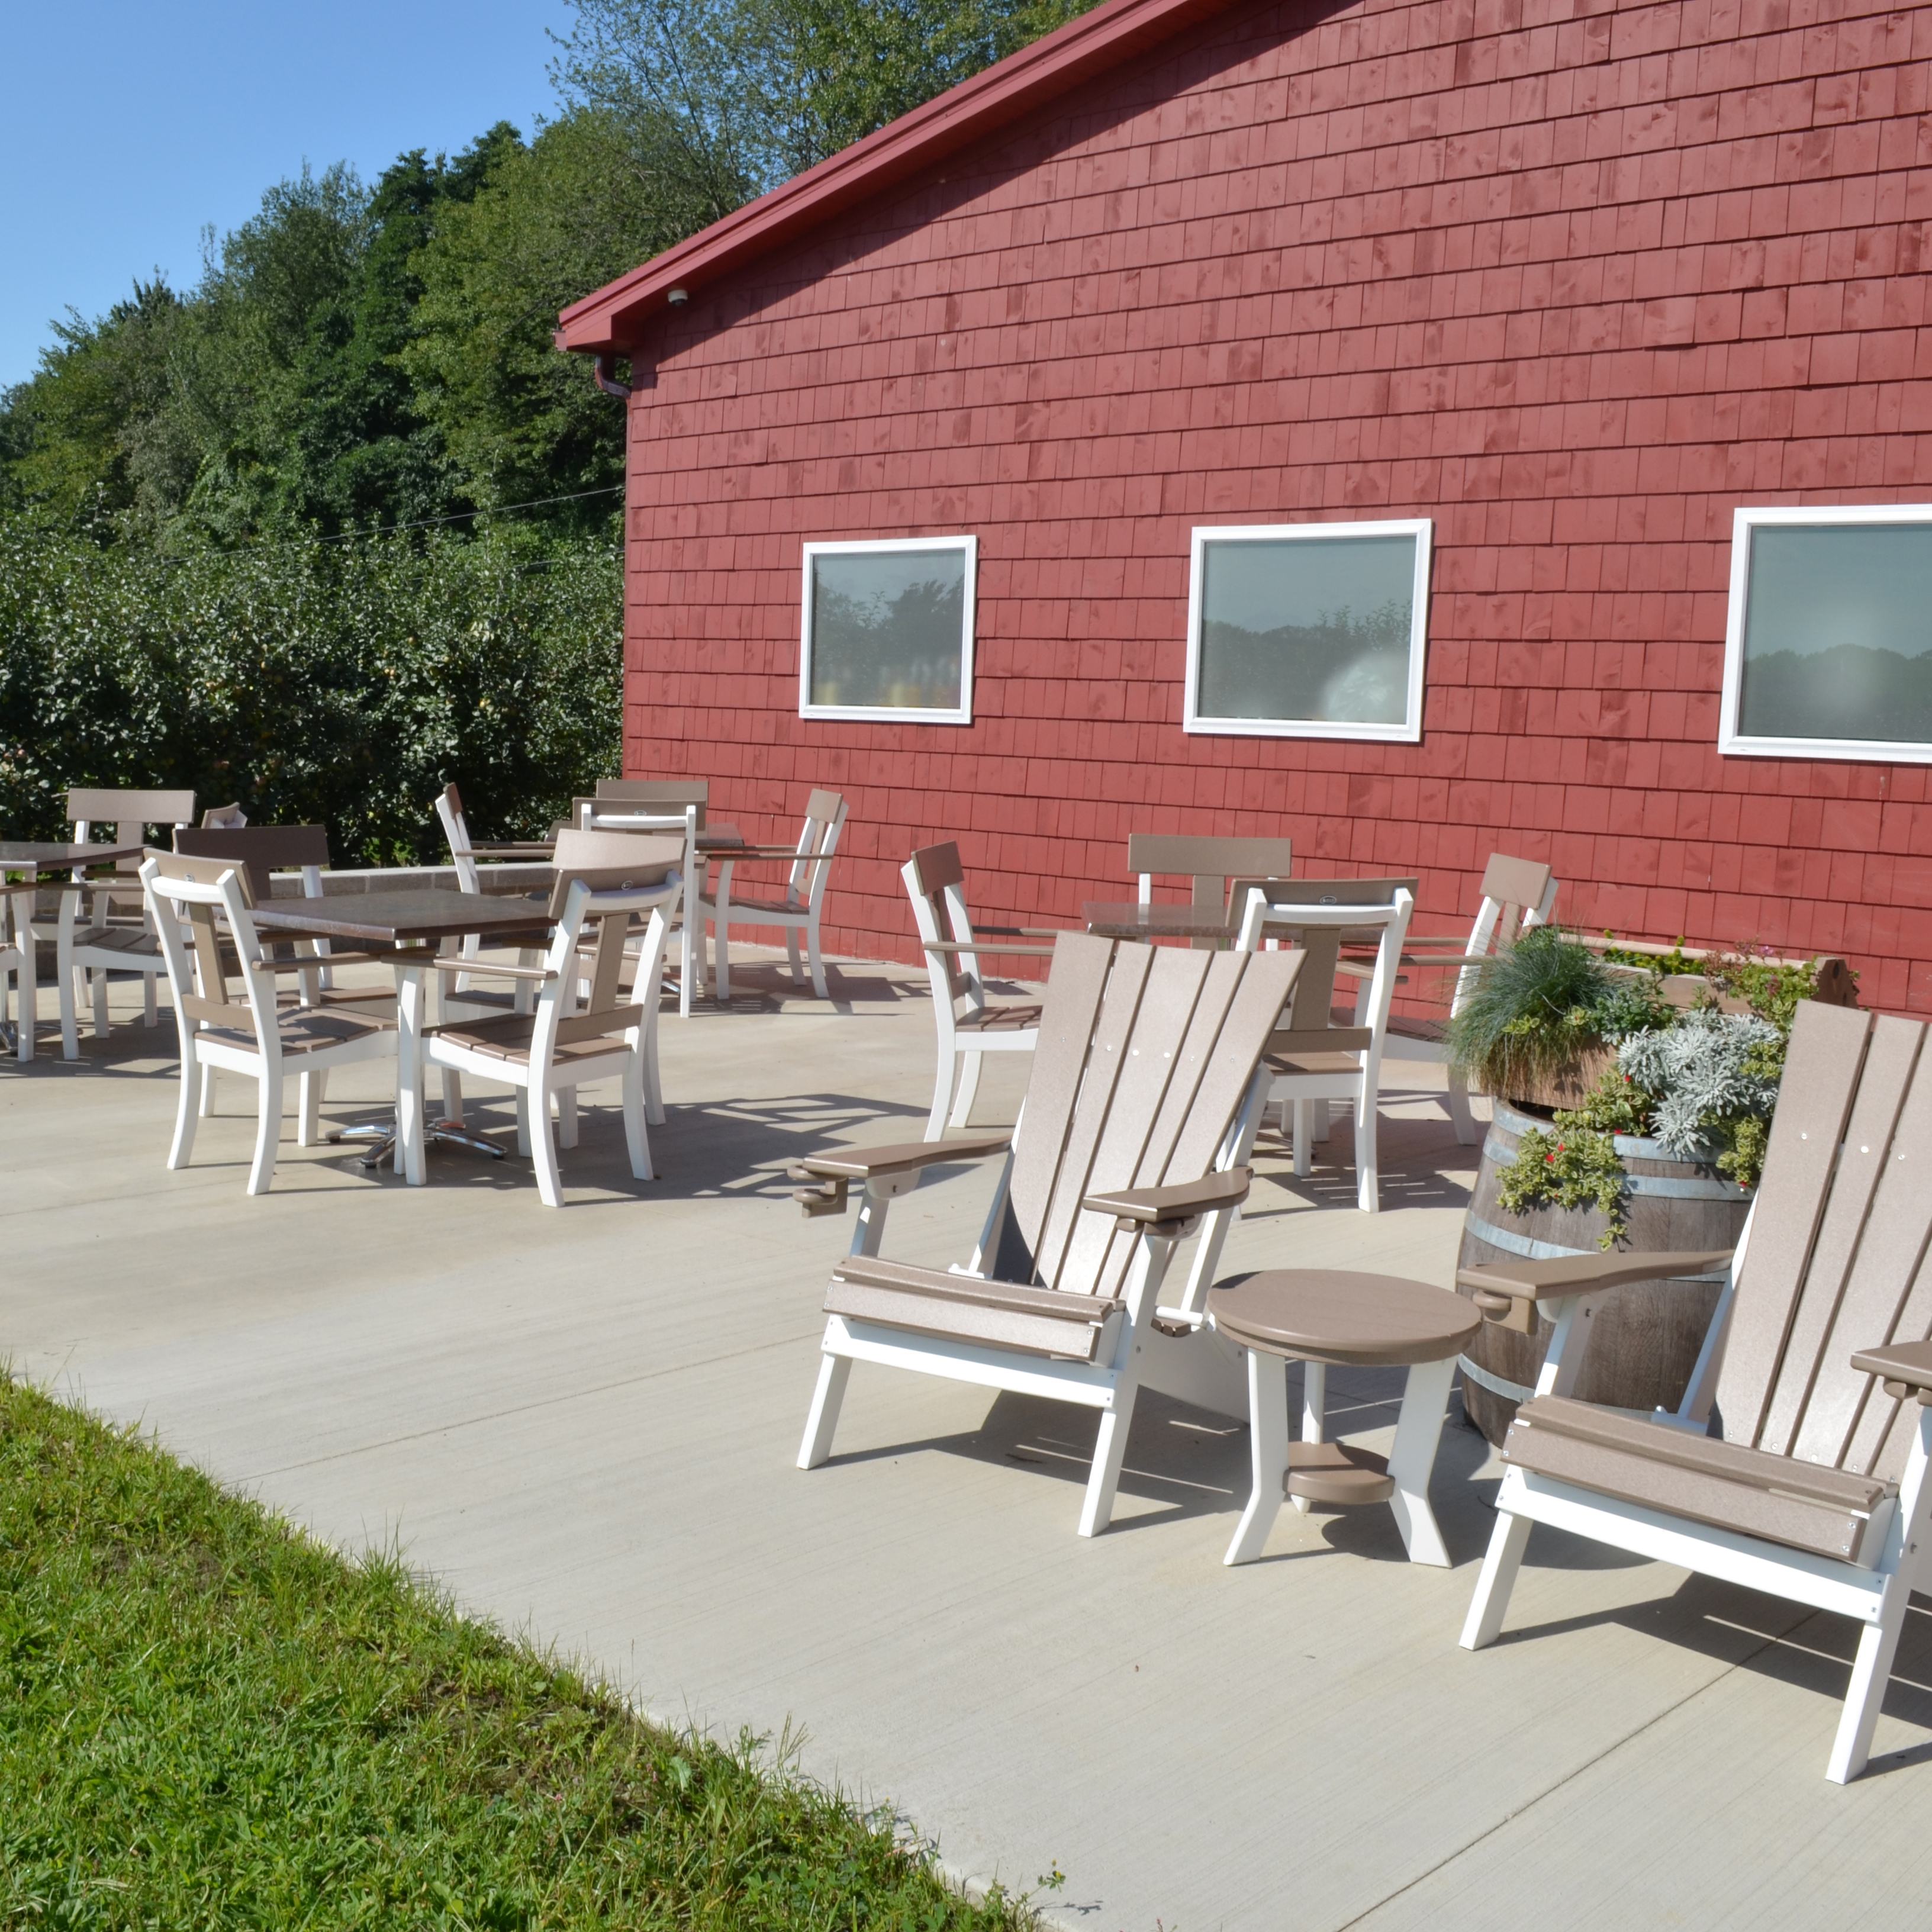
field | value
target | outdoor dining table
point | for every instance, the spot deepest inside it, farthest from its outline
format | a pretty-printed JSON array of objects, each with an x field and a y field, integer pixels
[
  {"x": 1125, "y": 920},
  {"x": 413, "y": 923},
  {"x": 35, "y": 857}
]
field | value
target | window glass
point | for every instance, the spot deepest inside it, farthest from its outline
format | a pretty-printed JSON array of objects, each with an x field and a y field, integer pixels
[
  {"x": 1308, "y": 630},
  {"x": 1837, "y": 639},
  {"x": 887, "y": 628}
]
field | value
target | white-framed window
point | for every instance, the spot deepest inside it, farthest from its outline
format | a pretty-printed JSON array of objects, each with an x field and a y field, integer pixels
[
  {"x": 1827, "y": 646},
  {"x": 888, "y": 630},
  {"x": 1308, "y": 630}
]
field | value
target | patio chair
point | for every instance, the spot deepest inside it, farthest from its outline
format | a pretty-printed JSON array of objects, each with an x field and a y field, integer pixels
[
  {"x": 936, "y": 883},
  {"x": 1209, "y": 864},
  {"x": 17, "y": 999},
  {"x": 580, "y": 1030},
  {"x": 1142, "y": 1086},
  {"x": 207, "y": 938},
  {"x": 223, "y": 818},
  {"x": 1813, "y": 1488},
  {"x": 1312, "y": 1060},
  {"x": 110, "y": 935},
  {"x": 661, "y": 804},
  {"x": 1517, "y": 894},
  {"x": 798, "y": 912}
]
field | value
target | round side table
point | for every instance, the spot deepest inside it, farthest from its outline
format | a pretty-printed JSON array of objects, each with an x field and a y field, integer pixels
[{"x": 1321, "y": 1316}]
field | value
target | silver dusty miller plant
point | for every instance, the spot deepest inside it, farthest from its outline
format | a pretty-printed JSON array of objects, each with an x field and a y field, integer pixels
[{"x": 1708, "y": 1066}]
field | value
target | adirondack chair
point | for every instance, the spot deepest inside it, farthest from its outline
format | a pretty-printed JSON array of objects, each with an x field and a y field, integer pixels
[
  {"x": 1818, "y": 1359},
  {"x": 1209, "y": 864},
  {"x": 935, "y": 881},
  {"x": 1143, "y": 1084},
  {"x": 1517, "y": 894}
]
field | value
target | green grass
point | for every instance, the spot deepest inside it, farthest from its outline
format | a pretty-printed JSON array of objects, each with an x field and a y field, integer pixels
[{"x": 208, "y": 1720}]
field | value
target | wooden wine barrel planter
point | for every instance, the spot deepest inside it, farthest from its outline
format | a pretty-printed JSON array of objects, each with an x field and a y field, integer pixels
[{"x": 1644, "y": 1341}]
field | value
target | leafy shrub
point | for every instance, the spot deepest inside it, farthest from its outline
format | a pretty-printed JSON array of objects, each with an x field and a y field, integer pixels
[
  {"x": 337, "y": 684},
  {"x": 1574, "y": 1166}
]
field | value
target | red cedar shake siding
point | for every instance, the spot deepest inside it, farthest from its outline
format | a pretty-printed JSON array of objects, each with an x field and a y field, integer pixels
[{"x": 1573, "y": 281}]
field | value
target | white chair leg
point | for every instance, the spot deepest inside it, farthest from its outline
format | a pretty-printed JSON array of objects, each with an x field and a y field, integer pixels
[
  {"x": 543, "y": 1150},
  {"x": 687, "y": 969},
  {"x": 969, "y": 1087},
  {"x": 1314, "y": 1417},
  {"x": 1096, "y": 1511},
  {"x": 70, "y": 1025},
  {"x": 721, "y": 931},
  {"x": 1505, "y": 1557},
  {"x": 1268, "y": 1454},
  {"x": 1467, "y": 1132},
  {"x": 204, "y": 1100},
  {"x": 1418, "y": 1430},
  {"x": 1368, "y": 1174},
  {"x": 524, "y": 1122},
  {"x": 308, "y": 1107},
  {"x": 566, "y": 1117},
  {"x": 942, "y": 1092},
  {"x": 791, "y": 955},
  {"x": 193, "y": 1080},
  {"x": 452, "y": 1096},
  {"x": 1304, "y": 1165},
  {"x": 654, "y": 1110},
  {"x": 99, "y": 989},
  {"x": 1323, "y": 1122},
  {"x": 267, "y": 1131},
  {"x": 833, "y": 1372},
  {"x": 1864, "y": 1699},
  {"x": 636, "y": 1139},
  {"x": 151, "y": 1010},
  {"x": 815, "y": 958}
]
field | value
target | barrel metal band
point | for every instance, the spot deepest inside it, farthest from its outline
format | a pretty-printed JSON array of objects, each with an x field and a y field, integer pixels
[{"x": 1496, "y": 1384}]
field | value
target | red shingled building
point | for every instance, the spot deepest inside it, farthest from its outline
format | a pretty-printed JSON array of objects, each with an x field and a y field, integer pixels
[{"x": 1553, "y": 289}]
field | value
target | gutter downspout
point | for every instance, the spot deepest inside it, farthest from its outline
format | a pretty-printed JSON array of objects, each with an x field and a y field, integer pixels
[{"x": 607, "y": 382}]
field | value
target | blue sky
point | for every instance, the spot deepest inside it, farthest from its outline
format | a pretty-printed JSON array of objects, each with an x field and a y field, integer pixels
[{"x": 127, "y": 128}]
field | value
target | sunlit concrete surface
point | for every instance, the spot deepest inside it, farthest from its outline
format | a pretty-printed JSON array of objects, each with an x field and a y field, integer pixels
[{"x": 584, "y": 1423}]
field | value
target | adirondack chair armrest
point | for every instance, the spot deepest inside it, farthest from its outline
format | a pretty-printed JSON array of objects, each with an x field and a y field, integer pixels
[
  {"x": 1508, "y": 1292},
  {"x": 829, "y": 1175},
  {"x": 1905, "y": 1368},
  {"x": 1167, "y": 1211}
]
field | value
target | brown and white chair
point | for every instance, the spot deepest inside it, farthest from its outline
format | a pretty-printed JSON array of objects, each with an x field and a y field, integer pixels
[
  {"x": 584, "y": 1027},
  {"x": 1517, "y": 895},
  {"x": 1211, "y": 865},
  {"x": 223, "y": 818},
  {"x": 661, "y": 805},
  {"x": 798, "y": 912},
  {"x": 1315, "y": 1060},
  {"x": 969, "y": 1025},
  {"x": 102, "y": 929},
  {"x": 208, "y": 939},
  {"x": 1142, "y": 1087},
  {"x": 1817, "y": 1362},
  {"x": 17, "y": 1001}
]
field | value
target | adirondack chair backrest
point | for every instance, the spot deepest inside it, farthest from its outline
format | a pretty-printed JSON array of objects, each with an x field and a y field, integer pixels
[
  {"x": 1208, "y": 863},
  {"x": 1145, "y": 1055},
  {"x": 936, "y": 883},
  {"x": 1833, "y": 1261},
  {"x": 261, "y": 850}
]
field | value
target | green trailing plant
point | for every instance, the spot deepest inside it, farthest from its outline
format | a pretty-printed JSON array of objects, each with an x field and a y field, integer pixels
[{"x": 1572, "y": 1165}]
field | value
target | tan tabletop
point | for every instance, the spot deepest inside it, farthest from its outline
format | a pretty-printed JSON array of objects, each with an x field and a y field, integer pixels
[
  {"x": 59, "y": 855},
  {"x": 1125, "y": 920},
  {"x": 1349, "y": 1320}
]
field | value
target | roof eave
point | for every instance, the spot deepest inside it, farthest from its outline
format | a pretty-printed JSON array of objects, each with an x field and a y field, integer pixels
[{"x": 611, "y": 319}]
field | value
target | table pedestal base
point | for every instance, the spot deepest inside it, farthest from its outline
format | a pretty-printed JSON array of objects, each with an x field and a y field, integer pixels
[{"x": 437, "y": 1133}]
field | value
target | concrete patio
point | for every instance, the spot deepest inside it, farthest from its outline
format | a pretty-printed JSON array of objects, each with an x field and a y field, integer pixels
[{"x": 583, "y": 1423}]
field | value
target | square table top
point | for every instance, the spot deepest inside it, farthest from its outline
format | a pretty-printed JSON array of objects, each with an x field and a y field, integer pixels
[
  {"x": 423, "y": 913},
  {"x": 59, "y": 855}
]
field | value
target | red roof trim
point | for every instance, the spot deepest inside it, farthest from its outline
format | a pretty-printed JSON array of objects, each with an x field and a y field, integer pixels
[{"x": 611, "y": 318}]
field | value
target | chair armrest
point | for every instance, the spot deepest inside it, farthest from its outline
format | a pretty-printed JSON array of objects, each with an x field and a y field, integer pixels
[
  {"x": 834, "y": 1173},
  {"x": 1165, "y": 1210},
  {"x": 1508, "y": 1292},
  {"x": 1905, "y": 1367},
  {"x": 1022, "y": 931}
]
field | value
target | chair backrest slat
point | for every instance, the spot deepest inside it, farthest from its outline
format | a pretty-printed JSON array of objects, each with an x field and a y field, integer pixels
[
  {"x": 129, "y": 811},
  {"x": 1519, "y": 885},
  {"x": 1209, "y": 863},
  {"x": 1847, "y": 1416},
  {"x": 260, "y": 851},
  {"x": 935, "y": 880},
  {"x": 1076, "y": 1246},
  {"x": 1821, "y": 1076},
  {"x": 1844, "y": 1231},
  {"x": 611, "y": 861},
  {"x": 680, "y": 792}
]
